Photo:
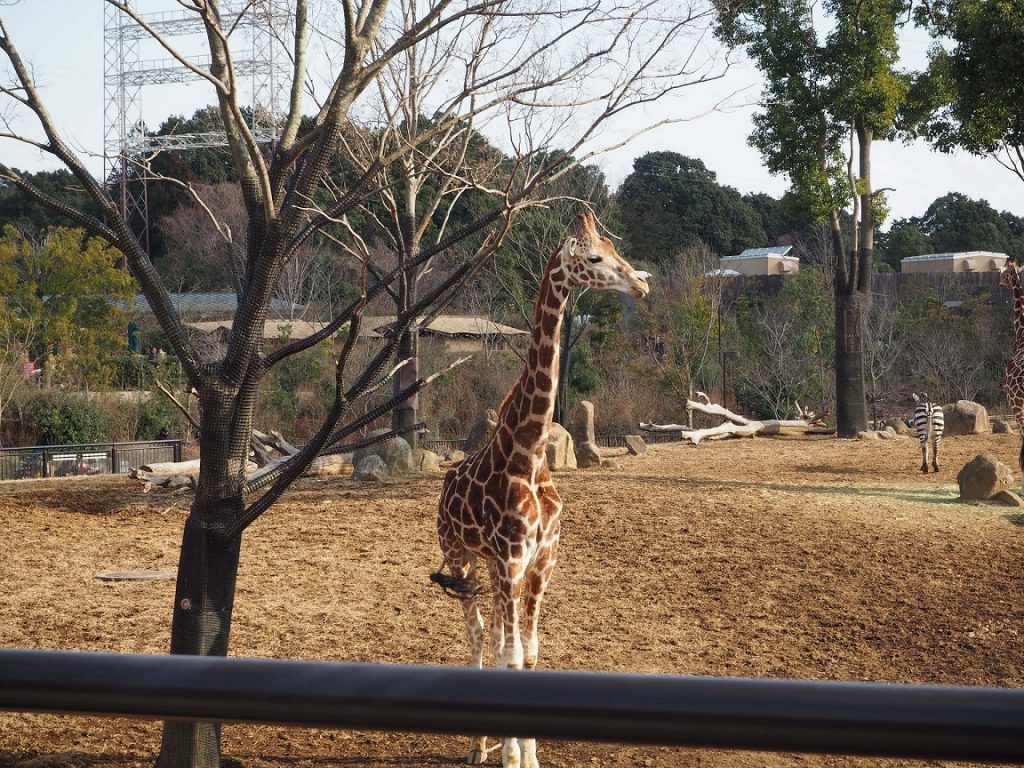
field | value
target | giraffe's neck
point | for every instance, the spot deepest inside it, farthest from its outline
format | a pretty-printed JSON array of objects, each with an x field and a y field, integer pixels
[{"x": 528, "y": 410}]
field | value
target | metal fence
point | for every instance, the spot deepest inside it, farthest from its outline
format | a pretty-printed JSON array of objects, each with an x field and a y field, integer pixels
[
  {"x": 84, "y": 458},
  {"x": 882, "y": 720}
]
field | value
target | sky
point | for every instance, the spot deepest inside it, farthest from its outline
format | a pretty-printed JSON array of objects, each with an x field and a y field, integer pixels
[{"x": 67, "y": 61}]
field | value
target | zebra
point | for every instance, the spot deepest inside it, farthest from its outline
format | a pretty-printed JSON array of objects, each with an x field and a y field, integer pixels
[{"x": 928, "y": 421}]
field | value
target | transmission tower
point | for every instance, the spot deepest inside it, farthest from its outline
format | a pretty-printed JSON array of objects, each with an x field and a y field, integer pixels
[{"x": 263, "y": 28}]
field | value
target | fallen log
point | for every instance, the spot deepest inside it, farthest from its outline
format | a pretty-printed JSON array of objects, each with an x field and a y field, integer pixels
[{"x": 736, "y": 425}]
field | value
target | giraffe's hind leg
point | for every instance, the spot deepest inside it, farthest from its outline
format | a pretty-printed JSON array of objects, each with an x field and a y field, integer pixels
[{"x": 475, "y": 636}]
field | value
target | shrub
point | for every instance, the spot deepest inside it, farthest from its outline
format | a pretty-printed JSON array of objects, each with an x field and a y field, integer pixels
[{"x": 58, "y": 419}]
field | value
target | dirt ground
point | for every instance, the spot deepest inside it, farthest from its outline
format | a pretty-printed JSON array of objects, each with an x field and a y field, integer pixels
[{"x": 797, "y": 558}]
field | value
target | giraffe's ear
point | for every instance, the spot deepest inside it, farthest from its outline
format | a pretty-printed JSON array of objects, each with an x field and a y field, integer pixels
[{"x": 570, "y": 246}]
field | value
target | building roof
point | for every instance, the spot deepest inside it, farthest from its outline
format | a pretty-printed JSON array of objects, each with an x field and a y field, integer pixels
[
  {"x": 272, "y": 329},
  {"x": 470, "y": 326},
  {"x": 955, "y": 255},
  {"x": 778, "y": 251},
  {"x": 207, "y": 303},
  {"x": 474, "y": 326}
]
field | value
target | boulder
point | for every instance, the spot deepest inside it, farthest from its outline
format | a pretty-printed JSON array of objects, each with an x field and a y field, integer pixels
[
  {"x": 482, "y": 430},
  {"x": 1009, "y": 498},
  {"x": 635, "y": 445},
  {"x": 456, "y": 456},
  {"x": 609, "y": 464},
  {"x": 425, "y": 461},
  {"x": 965, "y": 417},
  {"x": 868, "y": 435},
  {"x": 984, "y": 477},
  {"x": 370, "y": 468},
  {"x": 588, "y": 455},
  {"x": 1001, "y": 426},
  {"x": 898, "y": 425},
  {"x": 581, "y": 425},
  {"x": 561, "y": 454},
  {"x": 394, "y": 452}
]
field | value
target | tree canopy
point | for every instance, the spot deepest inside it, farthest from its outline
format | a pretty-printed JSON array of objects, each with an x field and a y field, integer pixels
[{"x": 671, "y": 202}]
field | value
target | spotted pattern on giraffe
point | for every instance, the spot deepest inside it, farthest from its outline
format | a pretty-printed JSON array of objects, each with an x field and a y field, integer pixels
[
  {"x": 1013, "y": 376},
  {"x": 499, "y": 504}
]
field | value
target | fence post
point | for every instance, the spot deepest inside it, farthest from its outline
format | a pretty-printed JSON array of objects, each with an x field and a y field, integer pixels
[
  {"x": 177, "y": 450},
  {"x": 46, "y": 463}
]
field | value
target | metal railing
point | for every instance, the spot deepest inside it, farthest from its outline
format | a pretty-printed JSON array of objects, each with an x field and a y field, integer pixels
[
  {"x": 84, "y": 458},
  {"x": 882, "y": 720}
]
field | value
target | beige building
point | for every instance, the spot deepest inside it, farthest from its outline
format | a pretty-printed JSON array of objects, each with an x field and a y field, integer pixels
[
  {"x": 964, "y": 261},
  {"x": 450, "y": 333},
  {"x": 761, "y": 261}
]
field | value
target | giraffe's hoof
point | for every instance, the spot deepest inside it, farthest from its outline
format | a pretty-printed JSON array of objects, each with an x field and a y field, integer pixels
[{"x": 476, "y": 757}]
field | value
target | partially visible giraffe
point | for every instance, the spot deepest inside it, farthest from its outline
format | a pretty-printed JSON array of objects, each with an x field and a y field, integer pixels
[
  {"x": 1013, "y": 377},
  {"x": 499, "y": 504}
]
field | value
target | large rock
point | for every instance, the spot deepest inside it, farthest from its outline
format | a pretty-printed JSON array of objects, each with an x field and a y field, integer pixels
[
  {"x": 965, "y": 417},
  {"x": 898, "y": 424},
  {"x": 482, "y": 430},
  {"x": 581, "y": 425},
  {"x": 984, "y": 477},
  {"x": 370, "y": 468},
  {"x": 425, "y": 461},
  {"x": 588, "y": 455},
  {"x": 560, "y": 450},
  {"x": 394, "y": 452},
  {"x": 635, "y": 445},
  {"x": 1001, "y": 426}
]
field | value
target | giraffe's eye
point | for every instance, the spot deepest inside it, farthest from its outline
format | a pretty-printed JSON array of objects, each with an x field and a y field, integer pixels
[{"x": 594, "y": 259}]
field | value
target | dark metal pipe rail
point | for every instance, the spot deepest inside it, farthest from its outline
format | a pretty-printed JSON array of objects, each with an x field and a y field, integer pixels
[{"x": 884, "y": 720}]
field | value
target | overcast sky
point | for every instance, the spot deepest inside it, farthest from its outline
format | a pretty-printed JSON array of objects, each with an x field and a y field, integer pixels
[{"x": 63, "y": 41}]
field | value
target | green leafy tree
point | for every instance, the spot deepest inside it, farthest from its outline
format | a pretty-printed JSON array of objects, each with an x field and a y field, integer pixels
[
  {"x": 830, "y": 89},
  {"x": 670, "y": 202},
  {"x": 904, "y": 239},
  {"x": 31, "y": 217},
  {"x": 69, "y": 289},
  {"x": 972, "y": 95}
]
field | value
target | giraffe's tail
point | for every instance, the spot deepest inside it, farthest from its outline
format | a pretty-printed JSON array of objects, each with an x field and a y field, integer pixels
[{"x": 458, "y": 587}]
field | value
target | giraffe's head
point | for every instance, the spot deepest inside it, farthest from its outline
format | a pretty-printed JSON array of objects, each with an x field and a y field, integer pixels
[
  {"x": 590, "y": 259},
  {"x": 1011, "y": 275}
]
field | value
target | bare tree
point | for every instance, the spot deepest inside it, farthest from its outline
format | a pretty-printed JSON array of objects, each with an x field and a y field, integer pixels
[
  {"x": 597, "y": 60},
  {"x": 19, "y": 333}
]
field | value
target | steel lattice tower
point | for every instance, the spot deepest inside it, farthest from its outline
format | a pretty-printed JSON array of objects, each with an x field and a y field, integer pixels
[{"x": 264, "y": 28}]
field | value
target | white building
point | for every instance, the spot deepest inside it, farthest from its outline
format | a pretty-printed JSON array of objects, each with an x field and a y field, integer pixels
[
  {"x": 761, "y": 261},
  {"x": 964, "y": 261}
]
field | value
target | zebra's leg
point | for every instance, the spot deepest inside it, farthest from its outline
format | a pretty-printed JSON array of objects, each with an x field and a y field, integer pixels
[
  {"x": 924, "y": 454},
  {"x": 935, "y": 451}
]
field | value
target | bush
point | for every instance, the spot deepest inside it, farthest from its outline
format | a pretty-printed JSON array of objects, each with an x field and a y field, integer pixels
[{"x": 58, "y": 419}]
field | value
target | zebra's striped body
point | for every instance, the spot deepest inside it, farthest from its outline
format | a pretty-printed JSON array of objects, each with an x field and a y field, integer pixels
[{"x": 929, "y": 421}]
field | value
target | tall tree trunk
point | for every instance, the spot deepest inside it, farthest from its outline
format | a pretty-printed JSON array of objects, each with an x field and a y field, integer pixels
[
  {"x": 208, "y": 568},
  {"x": 851, "y": 400},
  {"x": 405, "y": 415}
]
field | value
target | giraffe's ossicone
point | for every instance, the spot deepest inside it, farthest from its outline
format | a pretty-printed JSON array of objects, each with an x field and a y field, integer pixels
[{"x": 499, "y": 507}]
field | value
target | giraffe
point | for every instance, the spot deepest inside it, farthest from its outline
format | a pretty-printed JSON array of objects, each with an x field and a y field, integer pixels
[
  {"x": 1013, "y": 376},
  {"x": 499, "y": 504}
]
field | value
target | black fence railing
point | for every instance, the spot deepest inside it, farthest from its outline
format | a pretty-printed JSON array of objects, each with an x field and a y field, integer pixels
[
  {"x": 882, "y": 720},
  {"x": 84, "y": 458}
]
